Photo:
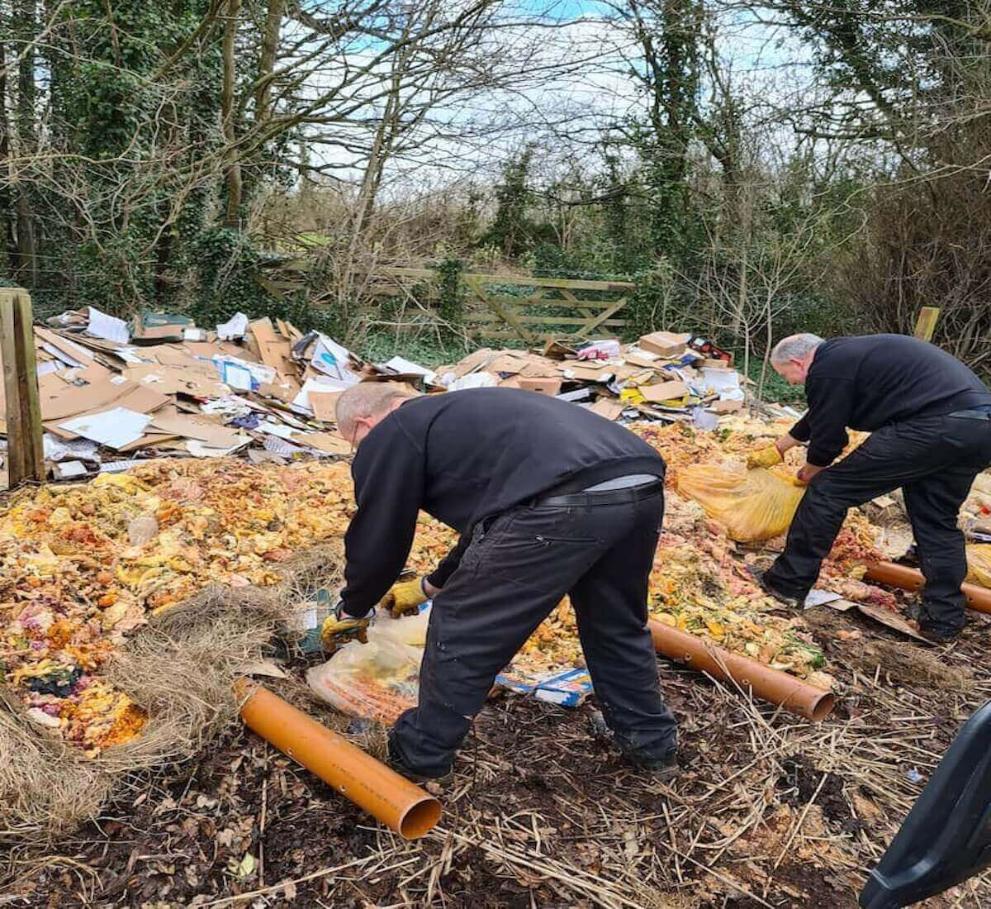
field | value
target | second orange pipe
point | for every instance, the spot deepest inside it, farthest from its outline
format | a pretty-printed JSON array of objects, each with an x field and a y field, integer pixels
[
  {"x": 911, "y": 579},
  {"x": 767, "y": 684}
]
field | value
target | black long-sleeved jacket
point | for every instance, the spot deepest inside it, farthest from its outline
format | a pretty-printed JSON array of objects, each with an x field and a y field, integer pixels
[
  {"x": 869, "y": 381},
  {"x": 462, "y": 457}
]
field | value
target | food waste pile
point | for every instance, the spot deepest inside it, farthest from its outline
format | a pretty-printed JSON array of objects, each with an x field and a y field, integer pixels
[{"x": 86, "y": 565}]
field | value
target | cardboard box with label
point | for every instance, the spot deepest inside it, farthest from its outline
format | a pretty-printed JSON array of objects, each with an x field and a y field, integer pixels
[
  {"x": 664, "y": 343},
  {"x": 541, "y": 386}
]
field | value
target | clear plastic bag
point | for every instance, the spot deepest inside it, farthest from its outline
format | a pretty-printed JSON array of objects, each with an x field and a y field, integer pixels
[
  {"x": 377, "y": 680},
  {"x": 752, "y": 504}
]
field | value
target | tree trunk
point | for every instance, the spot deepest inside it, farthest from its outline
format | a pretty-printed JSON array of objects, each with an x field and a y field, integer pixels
[
  {"x": 25, "y": 29},
  {"x": 233, "y": 176},
  {"x": 6, "y": 196},
  {"x": 266, "y": 60}
]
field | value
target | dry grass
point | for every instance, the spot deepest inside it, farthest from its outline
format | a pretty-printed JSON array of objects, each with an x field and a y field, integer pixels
[{"x": 180, "y": 669}]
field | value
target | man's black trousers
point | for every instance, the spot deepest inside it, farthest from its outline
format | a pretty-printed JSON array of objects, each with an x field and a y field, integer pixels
[
  {"x": 934, "y": 460},
  {"x": 514, "y": 572}
]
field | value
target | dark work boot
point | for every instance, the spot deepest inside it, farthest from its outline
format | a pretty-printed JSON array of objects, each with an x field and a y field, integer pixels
[
  {"x": 765, "y": 585},
  {"x": 395, "y": 761},
  {"x": 934, "y": 631},
  {"x": 662, "y": 768},
  {"x": 937, "y": 634}
]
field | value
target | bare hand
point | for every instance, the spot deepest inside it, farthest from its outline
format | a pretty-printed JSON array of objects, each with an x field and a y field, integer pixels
[{"x": 807, "y": 472}]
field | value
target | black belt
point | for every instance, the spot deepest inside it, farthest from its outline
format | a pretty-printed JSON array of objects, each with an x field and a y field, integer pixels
[{"x": 604, "y": 496}]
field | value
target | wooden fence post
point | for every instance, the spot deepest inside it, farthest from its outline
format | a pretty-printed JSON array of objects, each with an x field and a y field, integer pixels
[
  {"x": 25, "y": 450},
  {"x": 926, "y": 323}
]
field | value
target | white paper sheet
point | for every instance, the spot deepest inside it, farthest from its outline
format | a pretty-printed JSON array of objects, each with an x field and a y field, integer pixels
[
  {"x": 109, "y": 328},
  {"x": 260, "y": 374},
  {"x": 229, "y": 406},
  {"x": 58, "y": 450},
  {"x": 277, "y": 429},
  {"x": 474, "y": 380},
  {"x": 130, "y": 356},
  {"x": 68, "y": 469},
  {"x": 114, "y": 428},
  {"x": 62, "y": 356},
  {"x": 233, "y": 328},
  {"x": 238, "y": 377},
  {"x": 49, "y": 366},
  {"x": 401, "y": 364},
  {"x": 725, "y": 382},
  {"x": 819, "y": 597},
  {"x": 720, "y": 380},
  {"x": 201, "y": 450},
  {"x": 279, "y": 446},
  {"x": 332, "y": 360},
  {"x": 120, "y": 466}
]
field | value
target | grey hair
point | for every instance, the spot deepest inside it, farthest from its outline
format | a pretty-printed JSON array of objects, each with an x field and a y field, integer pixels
[
  {"x": 795, "y": 347},
  {"x": 367, "y": 399}
]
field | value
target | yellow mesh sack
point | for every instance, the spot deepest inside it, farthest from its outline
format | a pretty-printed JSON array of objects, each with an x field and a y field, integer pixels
[
  {"x": 979, "y": 564},
  {"x": 752, "y": 504}
]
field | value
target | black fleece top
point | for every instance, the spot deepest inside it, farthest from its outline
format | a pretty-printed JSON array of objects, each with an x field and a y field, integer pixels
[
  {"x": 464, "y": 456},
  {"x": 869, "y": 381}
]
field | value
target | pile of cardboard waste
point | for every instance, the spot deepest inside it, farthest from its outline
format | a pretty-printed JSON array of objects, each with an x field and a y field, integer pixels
[
  {"x": 663, "y": 376},
  {"x": 113, "y": 392}
]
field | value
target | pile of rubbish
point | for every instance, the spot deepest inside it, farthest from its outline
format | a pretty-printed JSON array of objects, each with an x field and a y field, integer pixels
[
  {"x": 664, "y": 376},
  {"x": 87, "y": 564},
  {"x": 113, "y": 393}
]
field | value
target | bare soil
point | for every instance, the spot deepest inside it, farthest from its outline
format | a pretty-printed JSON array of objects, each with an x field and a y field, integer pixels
[{"x": 767, "y": 810}]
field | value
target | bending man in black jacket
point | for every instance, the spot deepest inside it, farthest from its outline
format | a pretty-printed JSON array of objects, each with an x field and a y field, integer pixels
[
  {"x": 549, "y": 500},
  {"x": 930, "y": 423}
]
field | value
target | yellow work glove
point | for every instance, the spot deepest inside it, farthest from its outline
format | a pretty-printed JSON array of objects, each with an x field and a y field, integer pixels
[
  {"x": 764, "y": 457},
  {"x": 339, "y": 629},
  {"x": 404, "y": 598}
]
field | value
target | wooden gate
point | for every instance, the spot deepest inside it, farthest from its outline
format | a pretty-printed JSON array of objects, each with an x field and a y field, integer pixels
[{"x": 505, "y": 306}]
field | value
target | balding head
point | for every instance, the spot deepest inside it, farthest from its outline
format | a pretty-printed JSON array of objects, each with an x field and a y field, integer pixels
[
  {"x": 363, "y": 406},
  {"x": 792, "y": 357}
]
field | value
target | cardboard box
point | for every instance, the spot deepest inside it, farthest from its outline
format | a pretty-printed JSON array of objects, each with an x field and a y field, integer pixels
[
  {"x": 664, "y": 343},
  {"x": 541, "y": 386},
  {"x": 324, "y": 405},
  {"x": 567, "y": 688},
  {"x": 589, "y": 372},
  {"x": 610, "y": 408},
  {"x": 158, "y": 328},
  {"x": 664, "y": 391}
]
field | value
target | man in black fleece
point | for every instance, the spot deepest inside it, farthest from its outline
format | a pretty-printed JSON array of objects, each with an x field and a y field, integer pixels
[
  {"x": 550, "y": 499},
  {"x": 930, "y": 422}
]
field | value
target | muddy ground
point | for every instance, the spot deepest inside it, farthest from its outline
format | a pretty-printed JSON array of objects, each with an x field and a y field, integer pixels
[{"x": 767, "y": 810}]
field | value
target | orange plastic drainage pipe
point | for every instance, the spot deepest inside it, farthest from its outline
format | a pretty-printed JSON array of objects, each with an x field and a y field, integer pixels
[
  {"x": 382, "y": 792},
  {"x": 767, "y": 684},
  {"x": 978, "y": 598}
]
